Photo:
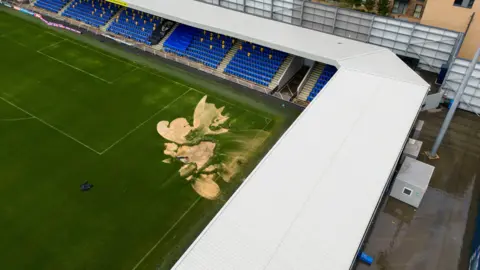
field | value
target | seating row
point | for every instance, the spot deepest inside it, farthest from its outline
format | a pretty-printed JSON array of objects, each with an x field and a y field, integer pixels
[
  {"x": 256, "y": 63},
  {"x": 93, "y": 12},
  {"x": 327, "y": 73},
  {"x": 51, "y": 5},
  {"x": 206, "y": 47},
  {"x": 135, "y": 25}
]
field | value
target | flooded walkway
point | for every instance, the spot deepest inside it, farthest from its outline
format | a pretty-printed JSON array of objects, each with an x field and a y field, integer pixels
[{"x": 437, "y": 235}]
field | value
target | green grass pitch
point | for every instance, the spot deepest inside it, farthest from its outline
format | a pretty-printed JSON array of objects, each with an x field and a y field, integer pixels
[{"x": 74, "y": 109}]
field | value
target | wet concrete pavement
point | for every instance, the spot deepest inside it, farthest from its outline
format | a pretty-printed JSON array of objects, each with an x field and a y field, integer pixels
[{"x": 438, "y": 234}]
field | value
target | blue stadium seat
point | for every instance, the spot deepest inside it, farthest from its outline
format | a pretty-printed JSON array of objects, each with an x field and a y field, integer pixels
[
  {"x": 327, "y": 73},
  {"x": 256, "y": 63},
  {"x": 93, "y": 12},
  {"x": 51, "y": 5},
  {"x": 199, "y": 45},
  {"x": 135, "y": 25},
  {"x": 180, "y": 39}
]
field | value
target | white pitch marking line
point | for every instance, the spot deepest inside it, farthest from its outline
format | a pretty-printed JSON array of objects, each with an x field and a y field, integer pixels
[
  {"x": 14, "y": 41},
  {"x": 102, "y": 53},
  {"x": 143, "y": 123},
  {"x": 47, "y": 124},
  {"x": 169, "y": 230},
  {"x": 146, "y": 69},
  {"x": 51, "y": 45},
  {"x": 263, "y": 129},
  {"x": 201, "y": 92},
  {"x": 16, "y": 119},
  {"x": 74, "y": 67},
  {"x": 128, "y": 72}
]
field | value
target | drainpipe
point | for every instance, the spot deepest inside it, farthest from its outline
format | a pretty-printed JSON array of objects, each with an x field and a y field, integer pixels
[{"x": 458, "y": 96}]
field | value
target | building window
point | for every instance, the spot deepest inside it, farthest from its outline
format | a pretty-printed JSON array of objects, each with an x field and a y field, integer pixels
[
  {"x": 399, "y": 7},
  {"x": 418, "y": 11},
  {"x": 464, "y": 3}
]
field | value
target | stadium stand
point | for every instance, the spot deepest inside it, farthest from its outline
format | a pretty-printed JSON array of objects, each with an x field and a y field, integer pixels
[
  {"x": 199, "y": 45},
  {"x": 160, "y": 33},
  {"x": 135, "y": 25},
  {"x": 325, "y": 76},
  {"x": 255, "y": 63},
  {"x": 93, "y": 12},
  {"x": 51, "y": 5}
]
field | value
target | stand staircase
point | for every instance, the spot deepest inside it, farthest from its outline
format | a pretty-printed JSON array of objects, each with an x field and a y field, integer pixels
[{"x": 311, "y": 81}]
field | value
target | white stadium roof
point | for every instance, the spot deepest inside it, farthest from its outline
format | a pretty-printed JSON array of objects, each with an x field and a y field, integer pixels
[{"x": 309, "y": 202}]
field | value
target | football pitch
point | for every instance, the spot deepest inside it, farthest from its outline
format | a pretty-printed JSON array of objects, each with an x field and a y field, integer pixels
[{"x": 164, "y": 148}]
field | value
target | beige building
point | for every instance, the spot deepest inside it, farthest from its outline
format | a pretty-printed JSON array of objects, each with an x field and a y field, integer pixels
[{"x": 456, "y": 15}]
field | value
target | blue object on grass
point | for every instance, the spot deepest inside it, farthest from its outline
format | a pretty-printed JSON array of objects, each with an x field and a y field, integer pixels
[{"x": 86, "y": 186}]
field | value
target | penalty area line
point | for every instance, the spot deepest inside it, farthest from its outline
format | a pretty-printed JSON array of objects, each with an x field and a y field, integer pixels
[
  {"x": 16, "y": 119},
  {"x": 143, "y": 123},
  {"x": 166, "y": 233},
  {"x": 74, "y": 67},
  {"x": 51, "y": 45},
  {"x": 124, "y": 74},
  {"x": 52, "y": 127}
]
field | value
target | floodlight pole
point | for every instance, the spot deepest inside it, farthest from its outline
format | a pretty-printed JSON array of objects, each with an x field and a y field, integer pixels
[{"x": 451, "y": 112}]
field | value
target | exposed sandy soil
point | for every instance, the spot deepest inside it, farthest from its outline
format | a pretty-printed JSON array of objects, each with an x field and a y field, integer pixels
[
  {"x": 207, "y": 115},
  {"x": 195, "y": 157},
  {"x": 235, "y": 159},
  {"x": 210, "y": 168},
  {"x": 198, "y": 154},
  {"x": 170, "y": 149},
  {"x": 176, "y": 131},
  {"x": 206, "y": 187},
  {"x": 187, "y": 169}
]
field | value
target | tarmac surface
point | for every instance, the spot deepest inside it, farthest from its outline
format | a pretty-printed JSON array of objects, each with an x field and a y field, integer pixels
[{"x": 437, "y": 235}]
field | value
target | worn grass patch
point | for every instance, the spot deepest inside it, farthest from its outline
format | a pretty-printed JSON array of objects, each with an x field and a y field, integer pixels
[{"x": 72, "y": 111}]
